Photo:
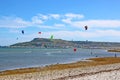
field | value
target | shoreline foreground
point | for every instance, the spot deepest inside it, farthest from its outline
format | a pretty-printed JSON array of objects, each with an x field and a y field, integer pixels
[{"x": 107, "y": 68}]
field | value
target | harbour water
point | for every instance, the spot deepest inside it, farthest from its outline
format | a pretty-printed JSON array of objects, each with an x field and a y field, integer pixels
[{"x": 15, "y": 58}]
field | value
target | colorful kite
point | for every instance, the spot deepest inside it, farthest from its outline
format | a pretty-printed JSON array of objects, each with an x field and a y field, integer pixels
[
  {"x": 75, "y": 49},
  {"x": 39, "y": 32},
  {"x": 51, "y": 38}
]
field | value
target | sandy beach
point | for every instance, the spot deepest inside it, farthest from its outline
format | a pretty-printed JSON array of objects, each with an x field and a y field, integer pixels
[{"x": 93, "y": 69}]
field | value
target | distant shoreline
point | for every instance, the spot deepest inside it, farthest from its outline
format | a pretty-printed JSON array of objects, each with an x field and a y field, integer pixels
[
  {"x": 59, "y": 43},
  {"x": 114, "y": 50}
]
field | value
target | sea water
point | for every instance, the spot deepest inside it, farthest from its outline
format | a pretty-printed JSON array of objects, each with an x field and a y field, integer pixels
[{"x": 15, "y": 58}]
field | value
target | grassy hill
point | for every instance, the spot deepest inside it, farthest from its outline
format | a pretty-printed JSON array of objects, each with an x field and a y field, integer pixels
[
  {"x": 59, "y": 43},
  {"x": 45, "y": 43}
]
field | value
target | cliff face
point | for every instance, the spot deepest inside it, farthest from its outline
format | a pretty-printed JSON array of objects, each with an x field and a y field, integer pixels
[{"x": 59, "y": 43}]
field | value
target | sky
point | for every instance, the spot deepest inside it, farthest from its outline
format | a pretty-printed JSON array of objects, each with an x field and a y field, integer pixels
[{"x": 65, "y": 19}]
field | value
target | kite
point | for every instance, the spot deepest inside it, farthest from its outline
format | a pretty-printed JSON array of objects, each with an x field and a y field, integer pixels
[
  {"x": 22, "y": 31},
  {"x": 51, "y": 38},
  {"x": 75, "y": 49},
  {"x": 39, "y": 32},
  {"x": 86, "y": 27}
]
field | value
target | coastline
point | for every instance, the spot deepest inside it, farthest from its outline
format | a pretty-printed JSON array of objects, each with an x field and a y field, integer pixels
[
  {"x": 64, "y": 71},
  {"x": 114, "y": 50}
]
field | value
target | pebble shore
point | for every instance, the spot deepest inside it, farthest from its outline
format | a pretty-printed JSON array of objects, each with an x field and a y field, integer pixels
[{"x": 101, "y": 72}]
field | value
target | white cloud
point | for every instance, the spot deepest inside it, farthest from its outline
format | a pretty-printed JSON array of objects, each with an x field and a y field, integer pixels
[
  {"x": 71, "y": 16},
  {"x": 48, "y": 27},
  {"x": 55, "y": 16},
  {"x": 68, "y": 21},
  {"x": 36, "y": 20},
  {"x": 43, "y": 17},
  {"x": 77, "y": 35},
  {"x": 95, "y": 23},
  {"x": 14, "y": 31},
  {"x": 74, "y": 20},
  {"x": 10, "y": 22},
  {"x": 108, "y": 33},
  {"x": 59, "y": 25}
]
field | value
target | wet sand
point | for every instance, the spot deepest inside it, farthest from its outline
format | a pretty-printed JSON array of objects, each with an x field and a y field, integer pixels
[{"x": 92, "y": 69}]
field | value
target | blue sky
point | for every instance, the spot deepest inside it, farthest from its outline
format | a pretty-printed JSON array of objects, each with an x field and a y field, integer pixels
[{"x": 65, "y": 19}]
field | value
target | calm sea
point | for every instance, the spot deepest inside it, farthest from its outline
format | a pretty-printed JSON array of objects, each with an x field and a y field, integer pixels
[{"x": 14, "y": 58}]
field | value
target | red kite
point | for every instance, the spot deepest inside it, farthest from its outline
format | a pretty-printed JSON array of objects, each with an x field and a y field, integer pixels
[
  {"x": 39, "y": 32},
  {"x": 75, "y": 49}
]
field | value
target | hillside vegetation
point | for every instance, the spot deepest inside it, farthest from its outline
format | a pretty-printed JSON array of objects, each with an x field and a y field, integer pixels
[{"x": 59, "y": 43}]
